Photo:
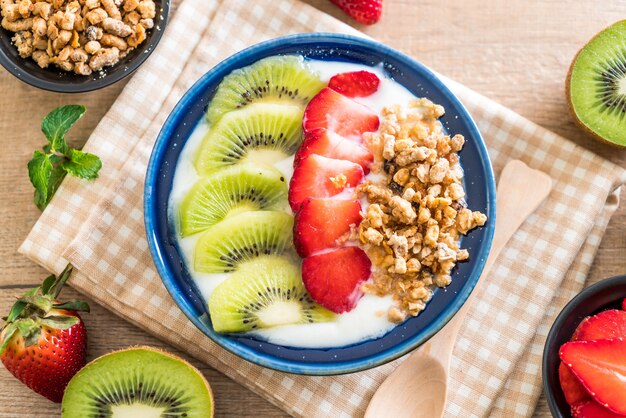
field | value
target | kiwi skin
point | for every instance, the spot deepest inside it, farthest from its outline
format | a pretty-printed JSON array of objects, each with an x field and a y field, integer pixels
[
  {"x": 167, "y": 354},
  {"x": 568, "y": 96}
]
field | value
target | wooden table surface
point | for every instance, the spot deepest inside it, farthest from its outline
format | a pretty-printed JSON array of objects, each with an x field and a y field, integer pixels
[{"x": 516, "y": 52}]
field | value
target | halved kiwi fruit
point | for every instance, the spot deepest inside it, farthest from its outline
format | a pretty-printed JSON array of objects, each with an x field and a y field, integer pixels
[
  {"x": 242, "y": 238},
  {"x": 264, "y": 293},
  {"x": 596, "y": 85},
  {"x": 263, "y": 132},
  {"x": 138, "y": 382},
  {"x": 237, "y": 189},
  {"x": 282, "y": 79}
]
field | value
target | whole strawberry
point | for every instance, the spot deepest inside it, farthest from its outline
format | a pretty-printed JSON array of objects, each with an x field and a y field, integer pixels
[
  {"x": 363, "y": 11},
  {"x": 44, "y": 342}
]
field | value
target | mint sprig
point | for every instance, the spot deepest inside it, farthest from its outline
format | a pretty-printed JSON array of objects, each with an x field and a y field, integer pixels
[{"x": 49, "y": 166}]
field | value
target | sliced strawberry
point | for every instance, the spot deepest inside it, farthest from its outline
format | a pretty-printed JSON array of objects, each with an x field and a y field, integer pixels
[
  {"x": 318, "y": 176},
  {"x": 328, "y": 144},
  {"x": 321, "y": 222},
  {"x": 573, "y": 390},
  {"x": 338, "y": 113},
  {"x": 363, "y": 11},
  {"x": 624, "y": 304},
  {"x": 601, "y": 367},
  {"x": 606, "y": 324},
  {"x": 332, "y": 278},
  {"x": 592, "y": 409},
  {"x": 355, "y": 83}
]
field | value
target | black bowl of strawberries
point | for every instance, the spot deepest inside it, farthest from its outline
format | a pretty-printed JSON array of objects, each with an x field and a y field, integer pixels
[{"x": 584, "y": 359}]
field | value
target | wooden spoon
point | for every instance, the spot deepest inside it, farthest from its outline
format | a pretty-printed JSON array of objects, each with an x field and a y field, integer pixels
[{"x": 419, "y": 386}]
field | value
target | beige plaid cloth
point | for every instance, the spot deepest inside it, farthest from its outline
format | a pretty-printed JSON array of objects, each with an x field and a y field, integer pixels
[{"x": 496, "y": 368}]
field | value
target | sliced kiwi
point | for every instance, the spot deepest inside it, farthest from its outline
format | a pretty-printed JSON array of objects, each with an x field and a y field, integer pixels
[
  {"x": 281, "y": 79},
  {"x": 596, "y": 85},
  {"x": 240, "y": 188},
  {"x": 138, "y": 382},
  {"x": 264, "y": 293},
  {"x": 241, "y": 238},
  {"x": 262, "y": 133}
]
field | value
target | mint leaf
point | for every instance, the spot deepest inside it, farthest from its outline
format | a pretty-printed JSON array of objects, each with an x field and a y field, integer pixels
[
  {"x": 45, "y": 174},
  {"x": 56, "y": 177},
  {"x": 39, "y": 171},
  {"x": 56, "y": 124},
  {"x": 82, "y": 164},
  {"x": 48, "y": 168}
]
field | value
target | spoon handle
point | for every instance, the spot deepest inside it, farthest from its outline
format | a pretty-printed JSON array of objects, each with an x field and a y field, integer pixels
[
  {"x": 520, "y": 191},
  {"x": 512, "y": 209}
]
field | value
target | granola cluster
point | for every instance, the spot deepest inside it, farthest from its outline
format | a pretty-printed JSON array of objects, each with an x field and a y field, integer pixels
[
  {"x": 81, "y": 35},
  {"x": 417, "y": 211}
]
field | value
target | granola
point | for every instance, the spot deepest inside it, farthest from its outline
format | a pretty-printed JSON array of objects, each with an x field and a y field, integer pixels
[
  {"x": 417, "y": 211},
  {"x": 80, "y": 36}
]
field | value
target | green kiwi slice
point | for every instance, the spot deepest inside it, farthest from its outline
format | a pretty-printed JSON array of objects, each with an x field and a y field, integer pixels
[
  {"x": 263, "y": 133},
  {"x": 280, "y": 79},
  {"x": 237, "y": 189},
  {"x": 242, "y": 238},
  {"x": 138, "y": 382},
  {"x": 596, "y": 85},
  {"x": 264, "y": 293}
]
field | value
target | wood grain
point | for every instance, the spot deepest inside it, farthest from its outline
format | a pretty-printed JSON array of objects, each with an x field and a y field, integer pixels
[{"x": 514, "y": 52}]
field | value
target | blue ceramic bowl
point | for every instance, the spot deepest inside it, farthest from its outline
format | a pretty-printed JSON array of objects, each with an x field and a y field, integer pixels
[
  {"x": 405, "y": 337},
  {"x": 606, "y": 294}
]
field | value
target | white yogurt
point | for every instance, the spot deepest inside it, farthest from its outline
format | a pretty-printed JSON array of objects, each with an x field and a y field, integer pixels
[{"x": 369, "y": 318}]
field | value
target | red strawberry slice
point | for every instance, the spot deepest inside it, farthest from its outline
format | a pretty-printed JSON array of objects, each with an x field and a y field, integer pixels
[
  {"x": 320, "y": 177},
  {"x": 363, "y": 11},
  {"x": 355, "y": 83},
  {"x": 338, "y": 113},
  {"x": 606, "y": 324},
  {"x": 321, "y": 222},
  {"x": 332, "y": 278},
  {"x": 573, "y": 390},
  {"x": 592, "y": 409},
  {"x": 624, "y": 304},
  {"x": 328, "y": 144},
  {"x": 601, "y": 367}
]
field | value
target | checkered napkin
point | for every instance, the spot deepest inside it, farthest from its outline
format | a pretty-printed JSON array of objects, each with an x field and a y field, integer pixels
[{"x": 98, "y": 227}]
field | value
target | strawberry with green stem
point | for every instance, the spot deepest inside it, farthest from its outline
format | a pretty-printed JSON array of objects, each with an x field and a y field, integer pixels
[{"x": 44, "y": 342}]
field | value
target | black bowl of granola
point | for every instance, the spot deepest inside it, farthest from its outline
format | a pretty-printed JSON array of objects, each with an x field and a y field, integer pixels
[{"x": 69, "y": 47}]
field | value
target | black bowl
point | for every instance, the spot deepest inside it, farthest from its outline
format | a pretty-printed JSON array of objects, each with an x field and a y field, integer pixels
[
  {"x": 54, "y": 79},
  {"x": 607, "y": 294}
]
